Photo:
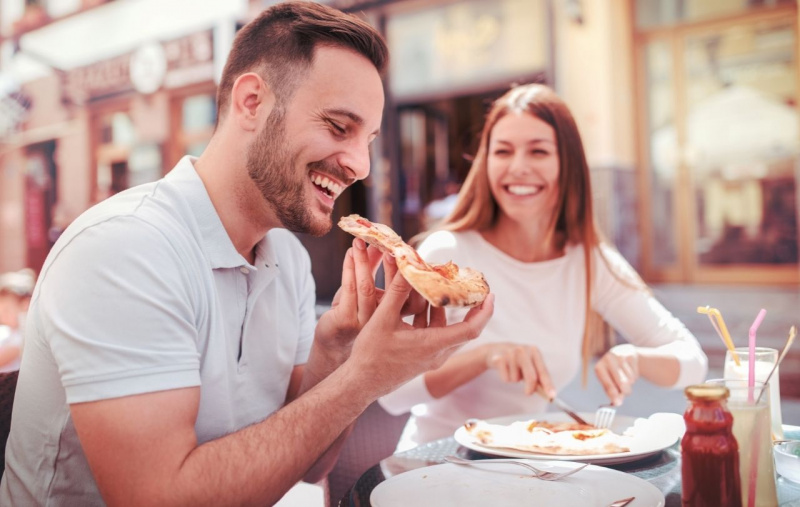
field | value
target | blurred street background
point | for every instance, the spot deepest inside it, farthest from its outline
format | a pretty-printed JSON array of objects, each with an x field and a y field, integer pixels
[{"x": 687, "y": 108}]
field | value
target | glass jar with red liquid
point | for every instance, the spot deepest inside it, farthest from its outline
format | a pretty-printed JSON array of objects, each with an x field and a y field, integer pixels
[{"x": 709, "y": 452}]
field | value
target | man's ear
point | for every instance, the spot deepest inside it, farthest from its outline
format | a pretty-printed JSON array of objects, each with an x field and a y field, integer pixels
[{"x": 251, "y": 101}]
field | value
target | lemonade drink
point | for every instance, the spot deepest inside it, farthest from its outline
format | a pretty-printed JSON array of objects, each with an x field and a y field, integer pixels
[
  {"x": 751, "y": 428},
  {"x": 765, "y": 360}
]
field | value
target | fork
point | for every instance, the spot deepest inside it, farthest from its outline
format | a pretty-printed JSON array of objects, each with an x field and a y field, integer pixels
[
  {"x": 604, "y": 416},
  {"x": 540, "y": 474}
]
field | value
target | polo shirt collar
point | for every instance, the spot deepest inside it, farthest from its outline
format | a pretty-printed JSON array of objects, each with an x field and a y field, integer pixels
[{"x": 216, "y": 243}]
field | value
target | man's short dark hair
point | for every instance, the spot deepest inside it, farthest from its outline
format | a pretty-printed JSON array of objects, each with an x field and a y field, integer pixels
[{"x": 279, "y": 44}]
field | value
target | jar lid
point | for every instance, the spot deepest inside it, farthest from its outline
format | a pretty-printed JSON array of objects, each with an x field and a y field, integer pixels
[{"x": 707, "y": 392}]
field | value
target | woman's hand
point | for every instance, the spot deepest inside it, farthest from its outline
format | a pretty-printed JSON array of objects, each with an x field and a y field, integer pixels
[
  {"x": 617, "y": 371},
  {"x": 519, "y": 363}
]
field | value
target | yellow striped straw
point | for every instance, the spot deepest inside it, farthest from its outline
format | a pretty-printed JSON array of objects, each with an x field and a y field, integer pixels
[{"x": 722, "y": 330}]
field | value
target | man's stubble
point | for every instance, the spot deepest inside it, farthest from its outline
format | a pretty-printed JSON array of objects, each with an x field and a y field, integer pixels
[{"x": 273, "y": 169}]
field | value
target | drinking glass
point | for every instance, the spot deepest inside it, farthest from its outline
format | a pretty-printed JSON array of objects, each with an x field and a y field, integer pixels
[
  {"x": 765, "y": 359},
  {"x": 751, "y": 428}
]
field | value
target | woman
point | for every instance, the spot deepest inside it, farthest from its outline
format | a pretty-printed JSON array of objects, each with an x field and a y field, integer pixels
[{"x": 524, "y": 217}]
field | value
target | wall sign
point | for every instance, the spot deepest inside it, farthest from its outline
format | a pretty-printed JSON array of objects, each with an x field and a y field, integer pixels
[
  {"x": 460, "y": 45},
  {"x": 150, "y": 67}
]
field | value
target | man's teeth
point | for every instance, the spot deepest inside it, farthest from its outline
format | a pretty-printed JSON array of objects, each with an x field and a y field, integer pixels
[
  {"x": 324, "y": 182},
  {"x": 522, "y": 189}
]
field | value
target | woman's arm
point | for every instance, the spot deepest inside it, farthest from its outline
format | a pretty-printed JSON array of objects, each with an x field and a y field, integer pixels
[{"x": 660, "y": 346}]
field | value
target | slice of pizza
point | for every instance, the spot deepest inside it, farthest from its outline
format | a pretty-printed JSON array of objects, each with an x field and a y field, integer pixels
[
  {"x": 542, "y": 437},
  {"x": 440, "y": 284}
]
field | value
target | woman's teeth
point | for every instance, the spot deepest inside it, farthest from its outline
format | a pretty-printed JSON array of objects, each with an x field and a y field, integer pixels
[
  {"x": 522, "y": 189},
  {"x": 322, "y": 181}
]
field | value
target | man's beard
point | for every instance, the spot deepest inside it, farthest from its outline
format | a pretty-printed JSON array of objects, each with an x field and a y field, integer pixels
[{"x": 274, "y": 171}]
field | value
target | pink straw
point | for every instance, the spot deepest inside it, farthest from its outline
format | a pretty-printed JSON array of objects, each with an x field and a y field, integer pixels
[{"x": 751, "y": 377}]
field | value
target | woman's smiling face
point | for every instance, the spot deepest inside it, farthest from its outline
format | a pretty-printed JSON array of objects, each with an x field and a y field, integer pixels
[{"x": 523, "y": 167}]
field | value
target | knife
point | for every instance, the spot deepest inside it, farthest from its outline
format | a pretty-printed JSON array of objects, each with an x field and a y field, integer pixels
[
  {"x": 623, "y": 502},
  {"x": 562, "y": 406}
]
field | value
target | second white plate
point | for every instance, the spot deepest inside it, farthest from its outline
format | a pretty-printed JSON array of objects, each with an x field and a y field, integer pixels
[{"x": 503, "y": 484}]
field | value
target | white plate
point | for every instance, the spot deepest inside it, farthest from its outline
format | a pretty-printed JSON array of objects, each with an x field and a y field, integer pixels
[
  {"x": 504, "y": 484},
  {"x": 649, "y": 436}
]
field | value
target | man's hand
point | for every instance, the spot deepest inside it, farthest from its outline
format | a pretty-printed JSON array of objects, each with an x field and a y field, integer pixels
[
  {"x": 516, "y": 362},
  {"x": 356, "y": 301},
  {"x": 353, "y": 304},
  {"x": 617, "y": 371},
  {"x": 388, "y": 352}
]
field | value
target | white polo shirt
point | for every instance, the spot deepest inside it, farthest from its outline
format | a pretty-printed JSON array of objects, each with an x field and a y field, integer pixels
[{"x": 146, "y": 292}]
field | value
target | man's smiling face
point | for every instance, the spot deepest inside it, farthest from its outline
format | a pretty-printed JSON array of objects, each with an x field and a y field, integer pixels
[{"x": 317, "y": 144}]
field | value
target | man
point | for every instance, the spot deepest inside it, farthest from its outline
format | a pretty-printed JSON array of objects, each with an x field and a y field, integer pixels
[{"x": 172, "y": 356}]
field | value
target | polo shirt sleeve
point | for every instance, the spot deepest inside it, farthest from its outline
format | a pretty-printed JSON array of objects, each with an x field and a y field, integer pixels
[{"x": 118, "y": 312}]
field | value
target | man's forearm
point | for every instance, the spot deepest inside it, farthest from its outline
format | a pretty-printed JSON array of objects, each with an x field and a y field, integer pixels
[
  {"x": 319, "y": 367},
  {"x": 258, "y": 464}
]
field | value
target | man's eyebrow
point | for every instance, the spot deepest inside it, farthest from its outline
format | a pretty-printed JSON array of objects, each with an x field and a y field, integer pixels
[{"x": 358, "y": 120}]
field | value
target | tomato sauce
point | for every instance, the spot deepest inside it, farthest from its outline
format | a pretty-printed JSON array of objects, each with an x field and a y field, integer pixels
[{"x": 709, "y": 451}]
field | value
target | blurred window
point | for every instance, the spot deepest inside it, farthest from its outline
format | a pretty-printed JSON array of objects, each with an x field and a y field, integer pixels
[
  {"x": 194, "y": 111},
  {"x": 199, "y": 113},
  {"x": 723, "y": 141},
  {"x": 663, "y": 151},
  {"x": 653, "y": 13},
  {"x": 742, "y": 142}
]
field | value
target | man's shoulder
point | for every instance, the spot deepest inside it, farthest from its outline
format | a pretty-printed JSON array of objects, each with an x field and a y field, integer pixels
[{"x": 132, "y": 224}]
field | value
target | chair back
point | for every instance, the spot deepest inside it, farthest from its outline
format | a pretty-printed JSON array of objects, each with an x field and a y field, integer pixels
[{"x": 8, "y": 386}]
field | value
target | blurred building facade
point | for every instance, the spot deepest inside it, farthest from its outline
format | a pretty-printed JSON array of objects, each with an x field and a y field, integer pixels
[{"x": 688, "y": 109}]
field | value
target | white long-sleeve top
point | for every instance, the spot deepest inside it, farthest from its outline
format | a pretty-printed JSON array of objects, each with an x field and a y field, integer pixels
[{"x": 541, "y": 304}]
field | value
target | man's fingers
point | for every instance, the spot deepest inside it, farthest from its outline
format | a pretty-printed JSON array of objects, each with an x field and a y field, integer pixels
[
  {"x": 347, "y": 293},
  {"x": 364, "y": 281},
  {"x": 438, "y": 317},
  {"x": 461, "y": 332},
  {"x": 415, "y": 304},
  {"x": 389, "y": 269},
  {"x": 395, "y": 295},
  {"x": 421, "y": 319},
  {"x": 375, "y": 256}
]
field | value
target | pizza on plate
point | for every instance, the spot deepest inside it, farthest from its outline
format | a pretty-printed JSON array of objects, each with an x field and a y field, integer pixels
[
  {"x": 440, "y": 284},
  {"x": 542, "y": 437}
]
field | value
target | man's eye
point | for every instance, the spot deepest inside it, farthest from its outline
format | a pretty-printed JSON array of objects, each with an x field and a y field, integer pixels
[{"x": 338, "y": 129}]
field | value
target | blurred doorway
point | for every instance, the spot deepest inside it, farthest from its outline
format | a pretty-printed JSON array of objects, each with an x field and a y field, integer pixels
[
  {"x": 722, "y": 144},
  {"x": 438, "y": 139}
]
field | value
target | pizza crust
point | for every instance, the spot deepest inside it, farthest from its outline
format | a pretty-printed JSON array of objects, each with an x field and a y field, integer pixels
[{"x": 440, "y": 284}]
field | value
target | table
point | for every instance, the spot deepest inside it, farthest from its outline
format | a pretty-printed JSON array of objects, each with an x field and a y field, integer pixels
[{"x": 663, "y": 470}]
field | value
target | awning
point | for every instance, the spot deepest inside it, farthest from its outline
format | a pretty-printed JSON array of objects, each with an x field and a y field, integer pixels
[{"x": 121, "y": 26}]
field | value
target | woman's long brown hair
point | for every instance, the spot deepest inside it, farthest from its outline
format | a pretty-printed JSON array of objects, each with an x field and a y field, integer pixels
[{"x": 573, "y": 219}]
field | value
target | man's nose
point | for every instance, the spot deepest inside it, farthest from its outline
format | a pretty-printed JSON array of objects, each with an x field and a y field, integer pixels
[{"x": 355, "y": 159}]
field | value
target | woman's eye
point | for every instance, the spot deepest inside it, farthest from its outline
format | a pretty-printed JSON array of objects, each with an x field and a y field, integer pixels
[{"x": 501, "y": 152}]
